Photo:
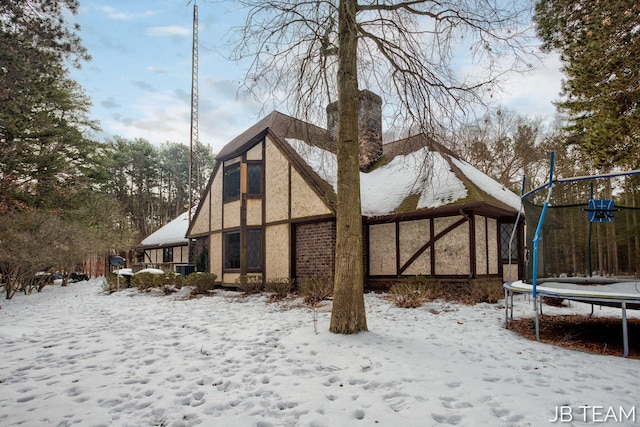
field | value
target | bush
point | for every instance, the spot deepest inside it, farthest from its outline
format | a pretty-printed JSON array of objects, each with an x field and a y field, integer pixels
[
  {"x": 412, "y": 292},
  {"x": 168, "y": 279},
  {"x": 202, "y": 283},
  {"x": 316, "y": 290},
  {"x": 110, "y": 283},
  {"x": 279, "y": 288},
  {"x": 143, "y": 281},
  {"x": 249, "y": 284}
]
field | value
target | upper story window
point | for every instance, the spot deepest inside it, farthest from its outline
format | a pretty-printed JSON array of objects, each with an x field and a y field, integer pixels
[
  {"x": 254, "y": 178},
  {"x": 231, "y": 182}
]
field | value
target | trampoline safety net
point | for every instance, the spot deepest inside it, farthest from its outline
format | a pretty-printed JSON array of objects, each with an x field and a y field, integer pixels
[{"x": 591, "y": 228}]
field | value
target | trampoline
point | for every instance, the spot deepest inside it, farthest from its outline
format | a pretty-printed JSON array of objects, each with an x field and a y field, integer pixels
[{"x": 582, "y": 243}]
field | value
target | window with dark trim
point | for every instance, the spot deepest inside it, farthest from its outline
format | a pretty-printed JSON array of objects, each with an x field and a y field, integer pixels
[
  {"x": 254, "y": 249},
  {"x": 167, "y": 254},
  {"x": 231, "y": 182},
  {"x": 231, "y": 242},
  {"x": 254, "y": 178},
  {"x": 506, "y": 229}
]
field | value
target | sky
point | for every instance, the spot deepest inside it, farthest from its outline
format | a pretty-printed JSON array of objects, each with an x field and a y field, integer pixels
[{"x": 139, "y": 78}]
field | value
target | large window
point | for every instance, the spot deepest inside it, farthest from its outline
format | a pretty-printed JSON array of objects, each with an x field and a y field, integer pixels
[
  {"x": 231, "y": 182},
  {"x": 254, "y": 178},
  {"x": 233, "y": 253},
  {"x": 232, "y": 250}
]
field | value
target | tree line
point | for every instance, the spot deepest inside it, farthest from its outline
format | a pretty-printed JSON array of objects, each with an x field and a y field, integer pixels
[{"x": 64, "y": 195}]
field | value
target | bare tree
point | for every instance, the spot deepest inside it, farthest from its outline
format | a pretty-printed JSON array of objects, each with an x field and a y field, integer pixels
[
  {"x": 405, "y": 51},
  {"x": 505, "y": 146}
]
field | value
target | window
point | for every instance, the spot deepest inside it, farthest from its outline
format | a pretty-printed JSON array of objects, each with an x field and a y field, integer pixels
[
  {"x": 254, "y": 249},
  {"x": 505, "y": 236},
  {"x": 232, "y": 250},
  {"x": 233, "y": 253},
  {"x": 254, "y": 178},
  {"x": 231, "y": 182},
  {"x": 167, "y": 255}
]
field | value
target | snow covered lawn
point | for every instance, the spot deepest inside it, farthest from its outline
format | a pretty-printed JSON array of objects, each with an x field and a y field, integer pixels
[{"x": 76, "y": 356}]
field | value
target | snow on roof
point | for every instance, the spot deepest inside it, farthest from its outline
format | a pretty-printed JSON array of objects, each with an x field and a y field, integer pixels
[
  {"x": 422, "y": 172},
  {"x": 172, "y": 232},
  {"x": 488, "y": 184}
]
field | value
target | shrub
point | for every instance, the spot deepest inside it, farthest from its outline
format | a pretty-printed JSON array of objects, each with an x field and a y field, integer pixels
[
  {"x": 110, "y": 283},
  {"x": 484, "y": 290},
  {"x": 249, "y": 284},
  {"x": 202, "y": 283},
  {"x": 168, "y": 279},
  {"x": 412, "y": 292},
  {"x": 279, "y": 288},
  {"x": 143, "y": 281},
  {"x": 316, "y": 290}
]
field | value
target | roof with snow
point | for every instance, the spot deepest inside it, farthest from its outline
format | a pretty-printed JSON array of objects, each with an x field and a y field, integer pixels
[
  {"x": 171, "y": 234},
  {"x": 413, "y": 175}
]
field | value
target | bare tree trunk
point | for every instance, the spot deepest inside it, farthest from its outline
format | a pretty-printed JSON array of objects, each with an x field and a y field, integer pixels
[{"x": 348, "y": 313}]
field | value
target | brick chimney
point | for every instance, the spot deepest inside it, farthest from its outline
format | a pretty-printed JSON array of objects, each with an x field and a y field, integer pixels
[{"x": 369, "y": 127}]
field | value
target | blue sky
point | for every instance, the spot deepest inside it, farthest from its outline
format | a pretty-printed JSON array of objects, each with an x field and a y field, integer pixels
[{"x": 139, "y": 79}]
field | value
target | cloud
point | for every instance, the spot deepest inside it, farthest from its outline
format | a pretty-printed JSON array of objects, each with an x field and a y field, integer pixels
[
  {"x": 157, "y": 70},
  {"x": 124, "y": 16},
  {"x": 534, "y": 93},
  {"x": 169, "y": 30},
  {"x": 110, "y": 103},
  {"x": 161, "y": 117},
  {"x": 144, "y": 86}
]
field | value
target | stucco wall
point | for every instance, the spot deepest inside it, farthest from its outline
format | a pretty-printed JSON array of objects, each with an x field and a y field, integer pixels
[
  {"x": 277, "y": 257},
  {"x": 414, "y": 235},
  {"x": 276, "y": 184},
  {"x": 304, "y": 201},
  {"x": 481, "y": 245},
  {"x": 215, "y": 255},
  {"x": 200, "y": 223},
  {"x": 232, "y": 214},
  {"x": 494, "y": 256},
  {"x": 382, "y": 249},
  {"x": 254, "y": 212},
  {"x": 216, "y": 202},
  {"x": 255, "y": 153},
  {"x": 452, "y": 250}
]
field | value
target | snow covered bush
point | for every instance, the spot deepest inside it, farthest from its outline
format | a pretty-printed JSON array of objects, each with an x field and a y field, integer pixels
[
  {"x": 316, "y": 290},
  {"x": 201, "y": 283}
]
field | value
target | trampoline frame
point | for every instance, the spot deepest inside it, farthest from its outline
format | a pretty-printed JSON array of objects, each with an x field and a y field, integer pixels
[
  {"x": 600, "y": 298},
  {"x": 547, "y": 290}
]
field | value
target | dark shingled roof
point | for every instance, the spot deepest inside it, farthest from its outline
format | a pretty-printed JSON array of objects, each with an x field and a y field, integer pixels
[{"x": 281, "y": 125}]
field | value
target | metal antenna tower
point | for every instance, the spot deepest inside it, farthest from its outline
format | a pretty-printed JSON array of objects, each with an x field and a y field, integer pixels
[{"x": 194, "y": 108}]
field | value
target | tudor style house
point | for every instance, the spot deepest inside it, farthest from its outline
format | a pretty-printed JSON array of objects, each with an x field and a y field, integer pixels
[{"x": 269, "y": 206}]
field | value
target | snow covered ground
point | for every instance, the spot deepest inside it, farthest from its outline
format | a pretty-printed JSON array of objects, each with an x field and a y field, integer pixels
[{"x": 76, "y": 356}]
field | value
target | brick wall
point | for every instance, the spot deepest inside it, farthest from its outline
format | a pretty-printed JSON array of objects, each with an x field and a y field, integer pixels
[{"x": 315, "y": 248}]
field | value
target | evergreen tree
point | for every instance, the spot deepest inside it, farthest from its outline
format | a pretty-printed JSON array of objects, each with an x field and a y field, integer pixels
[
  {"x": 43, "y": 114},
  {"x": 599, "y": 43}
]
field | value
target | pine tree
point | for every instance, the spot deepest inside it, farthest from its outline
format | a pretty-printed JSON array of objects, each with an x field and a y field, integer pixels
[{"x": 599, "y": 44}]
